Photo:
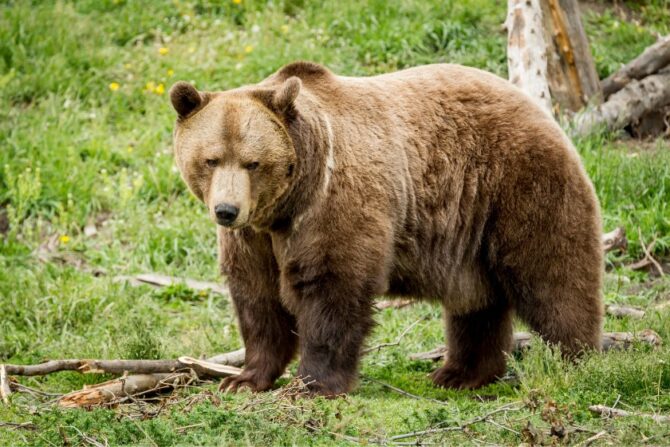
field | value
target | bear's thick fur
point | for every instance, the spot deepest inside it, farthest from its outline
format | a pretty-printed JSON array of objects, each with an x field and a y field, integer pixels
[{"x": 439, "y": 182}]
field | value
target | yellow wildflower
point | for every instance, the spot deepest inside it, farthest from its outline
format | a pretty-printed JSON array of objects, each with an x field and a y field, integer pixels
[
  {"x": 129, "y": 149},
  {"x": 64, "y": 239},
  {"x": 237, "y": 2},
  {"x": 170, "y": 73},
  {"x": 128, "y": 66},
  {"x": 151, "y": 86},
  {"x": 248, "y": 49},
  {"x": 284, "y": 29},
  {"x": 163, "y": 51},
  {"x": 114, "y": 86},
  {"x": 191, "y": 50},
  {"x": 160, "y": 89}
]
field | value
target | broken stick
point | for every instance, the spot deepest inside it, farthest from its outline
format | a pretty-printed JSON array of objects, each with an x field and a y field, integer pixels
[
  {"x": 113, "y": 390},
  {"x": 522, "y": 340}
]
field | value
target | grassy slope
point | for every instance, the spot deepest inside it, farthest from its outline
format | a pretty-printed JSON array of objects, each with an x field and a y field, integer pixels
[{"x": 74, "y": 150}]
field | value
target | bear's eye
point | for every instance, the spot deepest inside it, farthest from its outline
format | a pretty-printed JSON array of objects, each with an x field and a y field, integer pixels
[
  {"x": 212, "y": 162},
  {"x": 251, "y": 166}
]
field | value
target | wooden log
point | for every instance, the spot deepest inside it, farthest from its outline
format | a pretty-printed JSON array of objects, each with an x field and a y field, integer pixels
[
  {"x": 571, "y": 72},
  {"x": 627, "y": 105},
  {"x": 522, "y": 341},
  {"x": 527, "y": 50},
  {"x": 652, "y": 59},
  {"x": 615, "y": 412}
]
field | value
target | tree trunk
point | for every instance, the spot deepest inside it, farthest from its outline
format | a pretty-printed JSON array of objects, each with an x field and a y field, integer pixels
[
  {"x": 527, "y": 50},
  {"x": 548, "y": 54},
  {"x": 573, "y": 80}
]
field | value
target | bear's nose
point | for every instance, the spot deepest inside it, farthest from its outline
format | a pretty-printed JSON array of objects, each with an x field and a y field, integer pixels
[{"x": 226, "y": 213}]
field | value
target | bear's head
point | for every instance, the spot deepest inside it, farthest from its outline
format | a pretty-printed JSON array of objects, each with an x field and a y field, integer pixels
[{"x": 233, "y": 148}]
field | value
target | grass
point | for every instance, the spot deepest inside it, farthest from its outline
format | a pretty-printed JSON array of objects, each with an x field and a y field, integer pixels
[{"x": 85, "y": 135}]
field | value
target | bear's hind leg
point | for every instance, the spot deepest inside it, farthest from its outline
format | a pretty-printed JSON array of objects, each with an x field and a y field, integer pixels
[
  {"x": 477, "y": 346},
  {"x": 561, "y": 319}
]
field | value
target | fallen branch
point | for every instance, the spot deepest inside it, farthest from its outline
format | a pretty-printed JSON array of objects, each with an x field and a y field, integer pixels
[
  {"x": 615, "y": 412},
  {"x": 652, "y": 59},
  {"x": 627, "y": 105},
  {"x": 88, "y": 366},
  {"x": 522, "y": 340},
  {"x": 624, "y": 311},
  {"x": 615, "y": 240},
  {"x": 156, "y": 280}
]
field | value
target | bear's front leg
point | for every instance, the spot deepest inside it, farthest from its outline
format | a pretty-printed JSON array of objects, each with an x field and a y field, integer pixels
[
  {"x": 267, "y": 328},
  {"x": 269, "y": 339},
  {"x": 332, "y": 328}
]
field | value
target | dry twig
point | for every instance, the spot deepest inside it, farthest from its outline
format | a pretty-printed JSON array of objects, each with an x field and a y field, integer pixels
[{"x": 397, "y": 340}]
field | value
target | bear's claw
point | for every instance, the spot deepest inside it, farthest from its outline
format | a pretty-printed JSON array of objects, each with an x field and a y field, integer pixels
[
  {"x": 456, "y": 378},
  {"x": 247, "y": 379}
]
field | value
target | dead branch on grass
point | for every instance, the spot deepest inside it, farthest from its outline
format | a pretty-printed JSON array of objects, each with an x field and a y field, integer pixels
[
  {"x": 157, "y": 280},
  {"x": 611, "y": 412},
  {"x": 89, "y": 366}
]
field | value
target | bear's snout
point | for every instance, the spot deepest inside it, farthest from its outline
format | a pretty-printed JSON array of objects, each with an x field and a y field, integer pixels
[{"x": 226, "y": 214}]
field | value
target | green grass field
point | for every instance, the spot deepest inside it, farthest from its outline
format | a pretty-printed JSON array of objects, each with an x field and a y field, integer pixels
[{"x": 85, "y": 139}]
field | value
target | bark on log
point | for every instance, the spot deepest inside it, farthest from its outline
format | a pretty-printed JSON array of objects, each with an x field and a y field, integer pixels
[
  {"x": 651, "y": 60},
  {"x": 571, "y": 72},
  {"x": 522, "y": 340},
  {"x": 615, "y": 412},
  {"x": 527, "y": 50},
  {"x": 627, "y": 105}
]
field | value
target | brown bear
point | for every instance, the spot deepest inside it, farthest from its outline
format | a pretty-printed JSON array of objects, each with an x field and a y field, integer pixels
[{"x": 439, "y": 182}]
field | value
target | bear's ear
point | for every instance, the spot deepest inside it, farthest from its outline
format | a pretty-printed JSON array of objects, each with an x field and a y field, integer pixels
[
  {"x": 185, "y": 98},
  {"x": 286, "y": 95},
  {"x": 282, "y": 99}
]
